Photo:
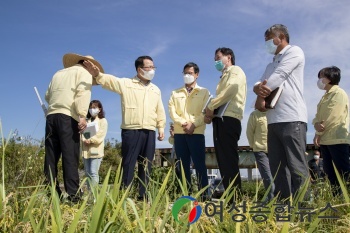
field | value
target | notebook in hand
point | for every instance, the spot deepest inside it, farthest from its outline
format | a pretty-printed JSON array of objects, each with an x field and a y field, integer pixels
[
  {"x": 91, "y": 130},
  {"x": 219, "y": 112},
  {"x": 272, "y": 99},
  {"x": 207, "y": 103}
]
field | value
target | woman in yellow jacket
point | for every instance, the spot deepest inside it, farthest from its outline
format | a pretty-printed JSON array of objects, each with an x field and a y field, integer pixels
[
  {"x": 93, "y": 147},
  {"x": 331, "y": 124}
]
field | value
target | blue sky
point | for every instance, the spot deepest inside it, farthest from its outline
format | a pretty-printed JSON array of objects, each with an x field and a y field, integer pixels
[{"x": 36, "y": 34}]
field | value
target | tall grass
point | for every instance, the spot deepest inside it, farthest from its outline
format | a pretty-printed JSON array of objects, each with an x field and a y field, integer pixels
[{"x": 116, "y": 210}]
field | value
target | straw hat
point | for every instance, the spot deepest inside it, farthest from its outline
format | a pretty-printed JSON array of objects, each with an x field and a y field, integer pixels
[{"x": 71, "y": 59}]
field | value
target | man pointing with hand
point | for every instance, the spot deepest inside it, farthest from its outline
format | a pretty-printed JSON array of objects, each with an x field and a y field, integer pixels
[{"x": 143, "y": 112}]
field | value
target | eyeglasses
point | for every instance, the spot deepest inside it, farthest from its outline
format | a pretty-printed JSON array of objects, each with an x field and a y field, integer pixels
[
  {"x": 190, "y": 73},
  {"x": 149, "y": 67}
]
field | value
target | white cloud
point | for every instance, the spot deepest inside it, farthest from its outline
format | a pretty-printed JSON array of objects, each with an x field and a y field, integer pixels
[{"x": 160, "y": 46}]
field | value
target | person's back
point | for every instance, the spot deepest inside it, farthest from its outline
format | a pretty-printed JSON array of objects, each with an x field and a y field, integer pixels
[
  {"x": 62, "y": 93},
  {"x": 257, "y": 137},
  {"x": 257, "y": 131},
  {"x": 68, "y": 96}
]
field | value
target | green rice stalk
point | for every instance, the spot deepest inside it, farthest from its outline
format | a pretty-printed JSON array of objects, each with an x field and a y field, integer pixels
[
  {"x": 99, "y": 210},
  {"x": 342, "y": 185},
  {"x": 74, "y": 223}
]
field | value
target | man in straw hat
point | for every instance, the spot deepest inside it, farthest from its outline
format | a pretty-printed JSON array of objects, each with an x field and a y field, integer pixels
[
  {"x": 143, "y": 112},
  {"x": 68, "y": 98}
]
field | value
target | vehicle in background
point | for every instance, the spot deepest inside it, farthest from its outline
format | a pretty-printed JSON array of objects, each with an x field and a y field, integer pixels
[
  {"x": 216, "y": 188},
  {"x": 211, "y": 177}
]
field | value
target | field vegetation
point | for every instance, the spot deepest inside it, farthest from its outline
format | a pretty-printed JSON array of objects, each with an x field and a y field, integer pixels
[{"x": 26, "y": 207}]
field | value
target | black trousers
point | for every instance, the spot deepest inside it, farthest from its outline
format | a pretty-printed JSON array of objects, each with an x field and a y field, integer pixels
[
  {"x": 137, "y": 145},
  {"x": 339, "y": 155},
  {"x": 226, "y": 133},
  {"x": 62, "y": 137}
]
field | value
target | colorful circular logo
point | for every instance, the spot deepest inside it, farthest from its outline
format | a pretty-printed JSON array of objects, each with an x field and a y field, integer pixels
[{"x": 195, "y": 212}]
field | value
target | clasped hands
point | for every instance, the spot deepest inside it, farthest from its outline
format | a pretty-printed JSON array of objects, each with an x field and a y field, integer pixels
[
  {"x": 188, "y": 127},
  {"x": 87, "y": 141}
]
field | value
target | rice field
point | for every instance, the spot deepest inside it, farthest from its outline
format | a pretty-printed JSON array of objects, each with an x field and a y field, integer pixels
[{"x": 26, "y": 206}]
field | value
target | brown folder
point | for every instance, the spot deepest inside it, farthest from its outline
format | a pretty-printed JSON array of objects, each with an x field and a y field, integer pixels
[{"x": 272, "y": 99}]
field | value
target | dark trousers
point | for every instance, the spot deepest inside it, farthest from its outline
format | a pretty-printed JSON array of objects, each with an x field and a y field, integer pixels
[
  {"x": 339, "y": 155},
  {"x": 62, "y": 137},
  {"x": 226, "y": 133},
  {"x": 192, "y": 146},
  {"x": 137, "y": 145},
  {"x": 287, "y": 147}
]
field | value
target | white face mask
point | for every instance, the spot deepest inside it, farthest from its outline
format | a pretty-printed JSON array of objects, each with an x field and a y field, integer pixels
[
  {"x": 320, "y": 84},
  {"x": 270, "y": 46},
  {"x": 148, "y": 74},
  {"x": 316, "y": 157},
  {"x": 188, "y": 79},
  {"x": 94, "y": 111}
]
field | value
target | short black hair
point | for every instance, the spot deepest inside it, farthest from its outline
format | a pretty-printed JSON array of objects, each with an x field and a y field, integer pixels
[
  {"x": 333, "y": 73},
  {"x": 226, "y": 51},
  {"x": 139, "y": 61},
  {"x": 276, "y": 29},
  {"x": 192, "y": 64},
  {"x": 101, "y": 114}
]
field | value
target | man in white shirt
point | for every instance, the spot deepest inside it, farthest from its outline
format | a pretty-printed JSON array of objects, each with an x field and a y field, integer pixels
[{"x": 287, "y": 122}]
